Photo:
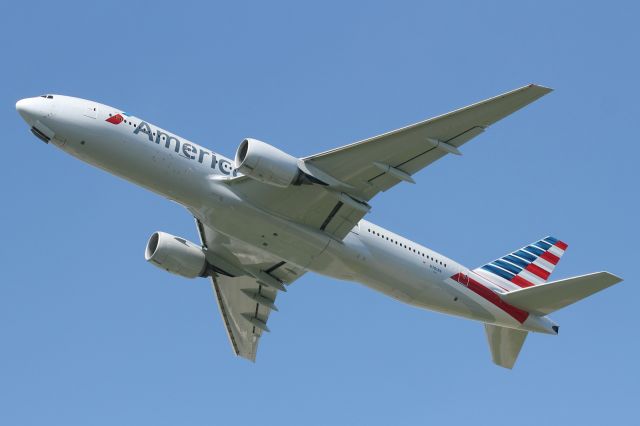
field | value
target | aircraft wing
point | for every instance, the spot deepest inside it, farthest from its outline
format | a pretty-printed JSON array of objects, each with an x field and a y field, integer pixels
[
  {"x": 363, "y": 169},
  {"x": 244, "y": 303},
  {"x": 414, "y": 147}
]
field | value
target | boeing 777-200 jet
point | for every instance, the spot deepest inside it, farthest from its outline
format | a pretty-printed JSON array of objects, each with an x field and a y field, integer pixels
[{"x": 266, "y": 218}]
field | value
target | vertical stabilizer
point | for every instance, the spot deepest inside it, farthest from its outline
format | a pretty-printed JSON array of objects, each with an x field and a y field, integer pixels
[
  {"x": 527, "y": 267},
  {"x": 505, "y": 344}
]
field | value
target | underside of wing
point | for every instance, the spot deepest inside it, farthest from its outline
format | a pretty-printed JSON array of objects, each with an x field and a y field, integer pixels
[
  {"x": 355, "y": 173},
  {"x": 244, "y": 316},
  {"x": 245, "y": 302}
]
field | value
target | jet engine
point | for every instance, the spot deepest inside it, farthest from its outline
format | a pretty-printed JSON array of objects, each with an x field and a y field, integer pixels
[
  {"x": 267, "y": 164},
  {"x": 176, "y": 255}
]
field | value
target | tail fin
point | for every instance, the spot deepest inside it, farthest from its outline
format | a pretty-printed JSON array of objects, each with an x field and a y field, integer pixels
[
  {"x": 527, "y": 267},
  {"x": 544, "y": 299},
  {"x": 505, "y": 344}
]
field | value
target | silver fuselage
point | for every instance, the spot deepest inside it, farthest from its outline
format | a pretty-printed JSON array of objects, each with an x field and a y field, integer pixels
[{"x": 198, "y": 179}]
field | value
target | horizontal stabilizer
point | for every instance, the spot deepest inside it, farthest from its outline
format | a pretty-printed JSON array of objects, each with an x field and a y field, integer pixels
[
  {"x": 546, "y": 298},
  {"x": 505, "y": 344}
]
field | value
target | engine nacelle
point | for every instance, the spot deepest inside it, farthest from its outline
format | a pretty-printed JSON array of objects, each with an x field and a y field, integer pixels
[
  {"x": 266, "y": 163},
  {"x": 176, "y": 255}
]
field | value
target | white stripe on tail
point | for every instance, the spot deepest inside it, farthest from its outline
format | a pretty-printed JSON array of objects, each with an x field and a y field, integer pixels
[{"x": 529, "y": 266}]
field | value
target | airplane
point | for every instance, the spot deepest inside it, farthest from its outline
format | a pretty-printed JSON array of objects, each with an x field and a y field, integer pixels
[{"x": 266, "y": 218}]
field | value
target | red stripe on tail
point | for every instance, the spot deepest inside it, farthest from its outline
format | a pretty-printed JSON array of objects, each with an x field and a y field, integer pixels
[
  {"x": 538, "y": 271},
  {"x": 518, "y": 280},
  {"x": 550, "y": 257}
]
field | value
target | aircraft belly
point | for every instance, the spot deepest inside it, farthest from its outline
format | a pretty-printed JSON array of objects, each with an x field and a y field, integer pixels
[
  {"x": 404, "y": 278},
  {"x": 396, "y": 276},
  {"x": 461, "y": 303},
  {"x": 291, "y": 242}
]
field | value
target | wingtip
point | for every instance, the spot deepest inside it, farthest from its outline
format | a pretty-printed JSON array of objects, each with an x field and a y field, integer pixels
[
  {"x": 613, "y": 277},
  {"x": 506, "y": 366},
  {"x": 544, "y": 89}
]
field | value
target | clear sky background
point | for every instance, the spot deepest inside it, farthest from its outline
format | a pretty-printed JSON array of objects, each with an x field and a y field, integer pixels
[{"x": 90, "y": 334}]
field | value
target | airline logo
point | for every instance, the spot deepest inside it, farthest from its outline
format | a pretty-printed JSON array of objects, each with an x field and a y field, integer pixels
[
  {"x": 115, "y": 119},
  {"x": 183, "y": 149},
  {"x": 529, "y": 266}
]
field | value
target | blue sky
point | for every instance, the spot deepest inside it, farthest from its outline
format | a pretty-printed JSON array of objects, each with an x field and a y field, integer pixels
[{"x": 92, "y": 334}]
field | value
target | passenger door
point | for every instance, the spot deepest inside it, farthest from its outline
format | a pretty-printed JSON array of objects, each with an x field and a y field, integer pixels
[{"x": 463, "y": 278}]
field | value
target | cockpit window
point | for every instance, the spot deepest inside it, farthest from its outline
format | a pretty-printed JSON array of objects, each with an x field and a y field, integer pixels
[{"x": 47, "y": 96}]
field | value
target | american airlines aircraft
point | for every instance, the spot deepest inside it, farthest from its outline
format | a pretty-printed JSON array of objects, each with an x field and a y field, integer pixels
[{"x": 266, "y": 218}]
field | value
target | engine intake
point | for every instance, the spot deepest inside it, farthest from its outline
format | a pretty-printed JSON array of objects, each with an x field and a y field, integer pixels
[
  {"x": 176, "y": 255},
  {"x": 267, "y": 164}
]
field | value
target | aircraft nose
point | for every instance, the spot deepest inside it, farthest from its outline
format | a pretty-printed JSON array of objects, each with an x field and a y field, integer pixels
[
  {"x": 22, "y": 106},
  {"x": 32, "y": 109}
]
